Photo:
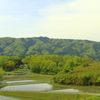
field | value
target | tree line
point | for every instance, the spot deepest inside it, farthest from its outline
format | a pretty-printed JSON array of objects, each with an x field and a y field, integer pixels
[{"x": 67, "y": 69}]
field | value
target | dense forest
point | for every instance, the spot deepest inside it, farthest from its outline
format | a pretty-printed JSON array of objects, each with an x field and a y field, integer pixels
[
  {"x": 43, "y": 46},
  {"x": 71, "y": 70}
]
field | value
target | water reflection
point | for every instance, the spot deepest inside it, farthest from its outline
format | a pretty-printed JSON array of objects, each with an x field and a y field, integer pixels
[
  {"x": 20, "y": 81},
  {"x": 29, "y": 87},
  {"x": 34, "y": 87},
  {"x": 67, "y": 91}
]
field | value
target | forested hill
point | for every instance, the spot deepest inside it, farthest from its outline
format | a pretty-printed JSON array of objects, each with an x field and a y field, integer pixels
[{"x": 44, "y": 45}]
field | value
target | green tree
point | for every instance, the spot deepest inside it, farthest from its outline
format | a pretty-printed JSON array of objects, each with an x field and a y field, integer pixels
[
  {"x": 68, "y": 67},
  {"x": 9, "y": 65},
  {"x": 1, "y": 72}
]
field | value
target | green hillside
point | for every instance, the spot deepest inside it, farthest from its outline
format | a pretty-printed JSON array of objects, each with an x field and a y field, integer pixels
[
  {"x": 85, "y": 76},
  {"x": 44, "y": 45}
]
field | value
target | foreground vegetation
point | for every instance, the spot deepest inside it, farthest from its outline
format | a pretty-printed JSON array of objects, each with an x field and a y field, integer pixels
[
  {"x": 48, "y": 96},
  {"x": 69, "y": 70},
  {"x": 84, "y": 76}
]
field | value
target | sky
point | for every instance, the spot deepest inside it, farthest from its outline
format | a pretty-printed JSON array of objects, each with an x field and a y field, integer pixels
[{"x": 63, "y": 19}]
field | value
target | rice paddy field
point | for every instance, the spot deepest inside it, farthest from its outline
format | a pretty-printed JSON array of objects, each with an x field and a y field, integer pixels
[{"x": 89, "y": 92}]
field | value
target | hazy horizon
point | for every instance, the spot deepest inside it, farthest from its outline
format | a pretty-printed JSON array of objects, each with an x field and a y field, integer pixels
[
  {"x": 63, "y": 19},
  {"x": 48, "y": 37}
]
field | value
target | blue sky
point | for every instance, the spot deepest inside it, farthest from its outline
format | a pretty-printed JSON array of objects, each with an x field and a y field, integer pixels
[{"x": 69, "y": 19}]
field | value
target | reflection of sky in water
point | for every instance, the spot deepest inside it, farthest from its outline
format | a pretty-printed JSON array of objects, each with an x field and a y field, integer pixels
[
  {"x": 34, "y": 87},
  {"x": 20, "y": 81},
  {"x": 29, "y": 87},
  {"x": 67, "y": 90},
  {"x": 7, "y": 98}
]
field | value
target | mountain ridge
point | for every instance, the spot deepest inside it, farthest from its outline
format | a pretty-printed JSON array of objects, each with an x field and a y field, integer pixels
[{"x": 43, "y": 45}]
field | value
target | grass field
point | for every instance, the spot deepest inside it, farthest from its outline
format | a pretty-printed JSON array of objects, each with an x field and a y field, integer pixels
[
  {"x": 32, "y": 76},
  {"x": 48, "y": 96}
]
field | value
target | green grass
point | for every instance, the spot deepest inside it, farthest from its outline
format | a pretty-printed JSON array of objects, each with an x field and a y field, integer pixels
[
  {"x": 32, "y": 76},
  {"x": 39, "y": 96},
  {"x": 88, "y": 97},
  {"x": 48, "y": 96}
]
